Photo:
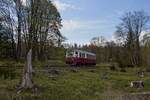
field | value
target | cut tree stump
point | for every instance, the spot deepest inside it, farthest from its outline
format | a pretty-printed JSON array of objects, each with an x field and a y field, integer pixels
[
  {"x": 137, "y": 84},
  {"x": 140, "y": 73}
]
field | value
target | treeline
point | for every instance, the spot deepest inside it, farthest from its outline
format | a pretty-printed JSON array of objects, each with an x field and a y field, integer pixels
[
  {"x": 131, "y": 46},
  {"x": 34, "y": 24}
]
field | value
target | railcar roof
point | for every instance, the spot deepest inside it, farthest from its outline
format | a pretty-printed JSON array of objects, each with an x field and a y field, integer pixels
[{"x": 84, "y": 52}]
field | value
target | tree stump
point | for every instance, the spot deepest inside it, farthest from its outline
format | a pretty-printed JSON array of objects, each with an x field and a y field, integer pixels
[
  {"x": 137, "y": 84},
  {"x": 140, "y": 73}
]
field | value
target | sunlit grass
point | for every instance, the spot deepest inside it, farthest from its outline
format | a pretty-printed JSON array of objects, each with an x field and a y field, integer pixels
[{"x": 81, "y": 85}]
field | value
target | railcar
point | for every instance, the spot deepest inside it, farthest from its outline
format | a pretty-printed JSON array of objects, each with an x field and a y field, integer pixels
[{"x": 79, "y": 57}]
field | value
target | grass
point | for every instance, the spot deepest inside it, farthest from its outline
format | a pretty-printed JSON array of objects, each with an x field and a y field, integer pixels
[{"x": 83, "y": 84}]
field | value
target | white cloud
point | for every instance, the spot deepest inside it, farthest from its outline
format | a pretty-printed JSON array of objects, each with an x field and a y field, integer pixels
[
  {"x": 119, "y": 13},
  {"x": 81, "y": 31},
  {"x": 24, "y": 2},
  {"x": 64, "y": 6},
  {"x": 142, "y": 35},
  {"x": 71, "y": 25}
]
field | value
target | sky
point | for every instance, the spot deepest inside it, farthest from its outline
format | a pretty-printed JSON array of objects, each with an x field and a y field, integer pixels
[{"x": 84, "y": 19}]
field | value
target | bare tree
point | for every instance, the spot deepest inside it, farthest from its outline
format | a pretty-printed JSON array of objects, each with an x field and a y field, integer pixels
[
  {"x": 8, "y": 22},
  {"x": 133, "y": 23}
]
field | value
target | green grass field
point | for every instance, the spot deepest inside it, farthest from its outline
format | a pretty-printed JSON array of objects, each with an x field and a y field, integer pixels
[{"x": 92, "y": 83}]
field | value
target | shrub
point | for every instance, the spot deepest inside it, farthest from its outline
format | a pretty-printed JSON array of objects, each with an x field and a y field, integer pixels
[
  {"x": 113, "y": 68},
  {"x": 123, "y": 70}
]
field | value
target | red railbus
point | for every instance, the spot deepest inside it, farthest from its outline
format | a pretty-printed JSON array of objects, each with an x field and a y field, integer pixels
[{"x": 79, "y": 57}]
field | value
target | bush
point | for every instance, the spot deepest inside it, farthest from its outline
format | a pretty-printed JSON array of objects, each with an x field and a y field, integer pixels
[
  {"x": 147, "y": 69},
  {"x": 123, "y": 70},
  {"x": 113, "y": 68}
]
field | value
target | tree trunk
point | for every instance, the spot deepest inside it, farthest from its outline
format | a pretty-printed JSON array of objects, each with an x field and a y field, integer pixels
[
  {"x": 18, "y": 9},
  {"x": 27, "y": 73}
]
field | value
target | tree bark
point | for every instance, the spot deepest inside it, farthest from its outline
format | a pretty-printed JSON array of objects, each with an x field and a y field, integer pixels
[
  {"x": 27, "y": 81},
  {"x": 18, "y": 9}
]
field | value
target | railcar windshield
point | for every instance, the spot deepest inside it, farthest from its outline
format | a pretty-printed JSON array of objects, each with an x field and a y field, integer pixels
[{"x": 69, "y": 53}]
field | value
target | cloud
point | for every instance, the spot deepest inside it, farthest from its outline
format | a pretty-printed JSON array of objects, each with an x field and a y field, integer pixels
[
  {"x": 62, "y": 6},
  {"x": 81, "y": 31},
  {"x": 86, "y": 25},
  {"x": 142, "y": 35},
  {"x": 71, "y": 24},
  {"x": 119, "y": 13},
  {"x": 24, "y": 2}
]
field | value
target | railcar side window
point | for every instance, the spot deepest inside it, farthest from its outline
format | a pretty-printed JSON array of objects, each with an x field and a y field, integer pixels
[
  {"x": 83, "y": 55},
  {"x": 70, "y": 53},
  {"x": 80, "y": 54}
]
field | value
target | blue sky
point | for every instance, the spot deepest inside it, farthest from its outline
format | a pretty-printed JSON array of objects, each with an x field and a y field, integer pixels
[{"x": 85, "y": 19}]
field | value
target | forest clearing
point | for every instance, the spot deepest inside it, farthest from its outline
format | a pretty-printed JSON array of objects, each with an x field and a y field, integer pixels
[
  {"x": 76, "y": 83},
  {"x": 74, "y": 50}
]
